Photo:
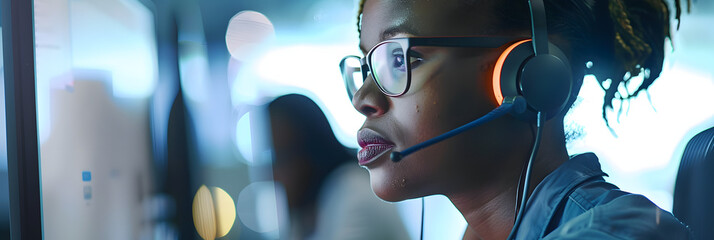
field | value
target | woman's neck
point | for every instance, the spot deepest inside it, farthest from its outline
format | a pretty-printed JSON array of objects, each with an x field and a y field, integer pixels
[
  {"x": 489, "y": 213},
  {"x": 490, "y": 210}
]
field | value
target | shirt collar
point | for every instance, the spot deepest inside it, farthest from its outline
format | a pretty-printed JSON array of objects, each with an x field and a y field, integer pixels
[{"x": 555, "y": 188}]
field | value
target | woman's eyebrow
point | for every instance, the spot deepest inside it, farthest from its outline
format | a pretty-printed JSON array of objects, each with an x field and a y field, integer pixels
[
  {"x": 397, "y": 30},
  {"x": 390, "y": 32}
]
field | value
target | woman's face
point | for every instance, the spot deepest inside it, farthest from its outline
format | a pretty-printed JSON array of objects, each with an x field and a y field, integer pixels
[{"x": 450, "y": 87}]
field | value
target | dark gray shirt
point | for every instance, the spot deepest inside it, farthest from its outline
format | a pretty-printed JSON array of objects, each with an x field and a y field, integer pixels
[{"x": 575, "y": 202}]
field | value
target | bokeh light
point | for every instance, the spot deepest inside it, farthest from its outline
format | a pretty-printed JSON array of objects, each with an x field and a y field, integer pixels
[
  {"x": 257, "y": 208},
  {"x": 213, "y": 212},
  {"x": 243, "y": 140},
  {"x": 246, "y": 32}
]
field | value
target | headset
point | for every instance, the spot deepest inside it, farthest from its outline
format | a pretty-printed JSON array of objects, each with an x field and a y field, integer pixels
[{"x": 534, "y": 69}]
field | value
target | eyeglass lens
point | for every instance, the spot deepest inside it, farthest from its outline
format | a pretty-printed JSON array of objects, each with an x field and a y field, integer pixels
[
  {"x": 352, "y": 74},
  {"x": 389, "y": 67}
]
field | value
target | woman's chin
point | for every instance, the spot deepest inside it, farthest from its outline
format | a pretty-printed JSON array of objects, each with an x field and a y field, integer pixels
[
  {"x": 388, "y": 195},
  {"x": 389, "y": 189}
]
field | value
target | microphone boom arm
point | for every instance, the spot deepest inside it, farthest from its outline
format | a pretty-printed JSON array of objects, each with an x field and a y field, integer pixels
[{"x": 516, "y": 104}]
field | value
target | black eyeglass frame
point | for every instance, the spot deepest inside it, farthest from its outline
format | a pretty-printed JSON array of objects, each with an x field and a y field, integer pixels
[{"x": 407, "y": 44}]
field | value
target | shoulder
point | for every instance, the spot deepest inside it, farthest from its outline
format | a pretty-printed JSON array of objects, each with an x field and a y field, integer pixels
[
  {"x": 622, "y": 216},
  {"x": 582, "y": 205}
]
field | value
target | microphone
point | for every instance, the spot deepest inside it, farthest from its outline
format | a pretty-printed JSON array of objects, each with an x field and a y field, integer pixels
[{"x": 510, "y": 104}]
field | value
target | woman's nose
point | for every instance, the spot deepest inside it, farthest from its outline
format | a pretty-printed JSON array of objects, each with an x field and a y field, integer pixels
[{"x": 369, "y": 100}]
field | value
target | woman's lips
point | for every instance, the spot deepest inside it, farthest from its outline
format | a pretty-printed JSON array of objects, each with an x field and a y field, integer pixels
[{"x": 373, "y": 145}]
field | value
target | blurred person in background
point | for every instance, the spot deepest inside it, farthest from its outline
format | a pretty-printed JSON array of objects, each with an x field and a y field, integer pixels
[{"x": 328, "y": 195}]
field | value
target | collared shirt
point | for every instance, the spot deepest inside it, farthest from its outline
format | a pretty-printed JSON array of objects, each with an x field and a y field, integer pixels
[{"x": 575, "y": 202}]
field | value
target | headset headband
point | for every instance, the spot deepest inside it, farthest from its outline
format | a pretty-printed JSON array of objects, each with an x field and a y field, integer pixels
[{"x": 539, "y": 27}]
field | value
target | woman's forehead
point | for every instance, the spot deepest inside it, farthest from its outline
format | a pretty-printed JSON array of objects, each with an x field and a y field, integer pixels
[{"x": 384, "y": 19}]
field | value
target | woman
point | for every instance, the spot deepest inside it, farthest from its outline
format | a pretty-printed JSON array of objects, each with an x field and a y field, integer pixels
[{"x": 430, "y": 90}]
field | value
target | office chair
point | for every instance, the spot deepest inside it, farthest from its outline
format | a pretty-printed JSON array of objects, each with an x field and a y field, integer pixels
[{"x": 694, "y": 189}]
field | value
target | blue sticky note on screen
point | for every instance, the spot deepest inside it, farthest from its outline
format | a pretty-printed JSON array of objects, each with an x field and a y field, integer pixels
[{"x": 86, "y": 176}]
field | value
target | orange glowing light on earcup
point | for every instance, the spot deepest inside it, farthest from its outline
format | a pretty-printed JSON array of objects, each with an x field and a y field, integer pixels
[{"x": 499, "y": 67}]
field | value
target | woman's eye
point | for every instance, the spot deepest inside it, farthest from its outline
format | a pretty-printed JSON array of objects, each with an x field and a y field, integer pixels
[
  {"x": 415, "y": 59},
  {"x": 398, "y": 60}
]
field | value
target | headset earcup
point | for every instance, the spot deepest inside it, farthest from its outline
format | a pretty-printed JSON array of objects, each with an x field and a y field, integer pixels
[
  {"x": 507, "y": 69},
  {"x": 545, "y": 82},
  {"x": 507, "y": 72}
]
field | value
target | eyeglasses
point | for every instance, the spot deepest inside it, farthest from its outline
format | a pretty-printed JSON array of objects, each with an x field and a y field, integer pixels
[{"x": 391, "y": 62}]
